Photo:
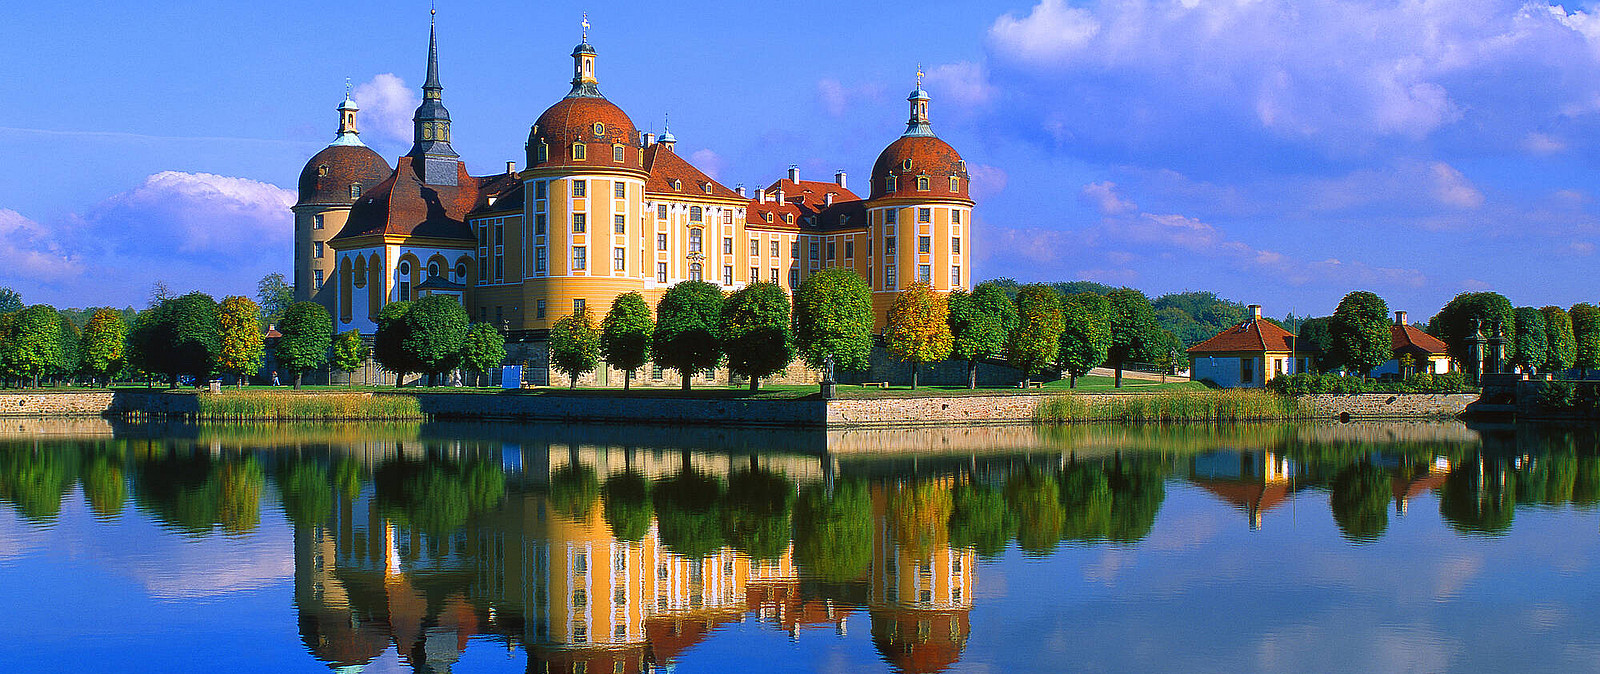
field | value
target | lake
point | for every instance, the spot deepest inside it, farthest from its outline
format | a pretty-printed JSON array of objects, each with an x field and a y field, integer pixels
[{"x": 498, "y": 548}]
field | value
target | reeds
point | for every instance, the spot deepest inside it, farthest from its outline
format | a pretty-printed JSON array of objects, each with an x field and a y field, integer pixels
[
  {"x": 274, "y": 406},
  {"x": 1226, "y": 405}
]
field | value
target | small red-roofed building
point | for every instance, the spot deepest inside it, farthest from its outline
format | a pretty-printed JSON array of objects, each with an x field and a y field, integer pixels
[
  {"x": 1247, "y": 355},
  {"x": 1427, "y": 353}
]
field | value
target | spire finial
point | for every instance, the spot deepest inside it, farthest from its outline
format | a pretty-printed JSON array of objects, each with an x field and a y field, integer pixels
[
  {"x": 585, "y": 26},
  {"x": 919, "y": 75},
  {"x": 347, "y": 88}
]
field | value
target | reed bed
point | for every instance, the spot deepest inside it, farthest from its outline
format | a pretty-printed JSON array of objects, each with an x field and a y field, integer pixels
[
  {"x": 275, "y": 406},
  {"x": 1179, "y": 406}
]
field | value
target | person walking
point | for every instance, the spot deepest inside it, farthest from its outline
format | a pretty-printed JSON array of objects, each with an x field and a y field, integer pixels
[{"x": 275, "y": 378}]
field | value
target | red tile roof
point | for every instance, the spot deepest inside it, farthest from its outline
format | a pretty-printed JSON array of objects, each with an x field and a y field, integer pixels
[
  {"x": 1407, "y": 337},
  {"x": 929, "y": 156},
  {"x": 327, "y": 177},
  {"x": 405, "y": 206},
  {"x": 665, "y": 167},
  {"x": 572, "y": 120},
  {"x": 807, "y": 202},
  {"x": 1256, "y": 335}
]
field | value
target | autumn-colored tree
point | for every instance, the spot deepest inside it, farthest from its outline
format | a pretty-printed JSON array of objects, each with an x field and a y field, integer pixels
[
  {"x": 918, "y": 330},
  {"x": 1085, "y": 334},
  {"x": 243, "y": 342},
  {"x": 625, "y": 335},
  {"x": 105, "y": 344},
  {"x": 1036, "y": 342},
  {"x": 755, "y": 332},
  {"x": 575, "y": 345}
]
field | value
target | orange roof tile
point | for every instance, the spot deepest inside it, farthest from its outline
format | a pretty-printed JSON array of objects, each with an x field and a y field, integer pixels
[
  {"x": 665, "y": 167},
  {"x": 1405, "y": 336},
  {"x": 1252, "y": 335}
]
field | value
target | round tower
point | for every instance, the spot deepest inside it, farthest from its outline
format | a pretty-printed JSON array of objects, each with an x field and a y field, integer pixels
[{"x": 329, "y": 184}]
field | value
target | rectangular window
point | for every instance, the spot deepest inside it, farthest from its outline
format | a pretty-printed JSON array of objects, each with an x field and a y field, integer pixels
[
  {"x": 661, "y": 272},
  {"x": 955, "y": 184},
  {"x": 580, "y": 258},
  {"x": 499, "y": 233},
  {"x": 694, "y": 241},
  {"x": 774, "y": 276},
  {"x": 755, "y": 248},
  {"x": 955, "y": 277},
  {"x": 755, "y": 274},
  {"x": 580, "y": 188},
  {"x": 541, "y": 223},
  {"x": 727, "y": 245},
  {"x": 483, "y": 314},
  {"x": 619, "y": 189},
  {"x": 661, "y": 212},
  {"x": 616, "y": 156},
  {"x": 541, "y": 190},
  {"x": 924, "y": 244},
  {"x": 579, "y": 152},
  {"x": 619, "y": 259},
  {"x": 316, "y": 222},
  {"x": 578, "y": 304},
  {"x": 619, "y": 223},
  {"x": 776, "y": 250},
  {"x": 318, "y": 280},
  {"x": 541, "y": 259},
  {"x": 888, "y": 246},
  {"x": 794, "y": 277},
  {"x": 891, "y": 217},
  {"x": 832, "y": 248},
  {"x": 316, "y": 249},
  {"x": 538, "y": 309},
  {"x": 483, "y": 234},
  {"x": 1247, "y": 370},
  {"x": 499, "y": 268},
  {"x": 889, "y": 280},
  {"x": 499, "y": 315},
  {"x": 924, "y": 274},
  {"x": 955, "y": 214},
  {"x": 661, "y": 242},
  {"x": 658, "y": 374},
  {"x": 794, "y": 249},
  {"x": 727, "y": 275},
  {"x": 924, "y": 215},
  {"x": 849, "y": 249},
  {"x": 955, "y": 245},
  {"x": 815, "y": 249},
  {"x": 580, "y": 222}
]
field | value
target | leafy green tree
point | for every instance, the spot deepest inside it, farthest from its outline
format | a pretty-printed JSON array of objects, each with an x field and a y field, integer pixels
[
  {"x": 918, "y": 330},
  {"x": 389, "y": 342},
  {"x": 105, "y": 345},
  {"x": 1561, "y": 348},
  {"x": 31, "y": 345},
  {"x": 627, "y": 507},
  {"x": 833, "y": 531},
  {"x": 1316, "y": 340},
  {"x": 70, "y": 360},
  {"x": 625, "y": 335},
  {"x": 1359, "y": 498},
  {"x": 243, "y": 343},
  {"x": 1453, "y": 323},
  {"x": 688, "y": 334},
  {"x": 275, "y": 296},
  {"x": 575, "y": 345},
  {"x": 1196, "y": 316},
  {"x": 10, "y": 300},
  {"x": 1532, "y": 340},
  {"x": 193, "y": 336},
  {"x": 307, "y": 331},
  {"x": 980, "y": 324},
  {"x": 980, "y": 520},
  {"x": 833, "y": 317},
  {"x": 755, "y": 332},
  {"x": 1361, "y": 335},
  {"x": 1586, "y": 335},
  {"x": 436, "y": 328},
  {"x": 349, "y": 352},
  {"x": 484, "y": 349},
  {"x": 1085, "y": 334},
  {"x": 757, "y": 513},
  {"x": 689, "y": 513},
  {"x": 1035, "y": 343},
  {"x": 1135, "y": 335}
]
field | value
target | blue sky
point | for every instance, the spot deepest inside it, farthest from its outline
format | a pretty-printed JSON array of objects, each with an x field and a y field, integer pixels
[{"x": 1274, "y": 151}]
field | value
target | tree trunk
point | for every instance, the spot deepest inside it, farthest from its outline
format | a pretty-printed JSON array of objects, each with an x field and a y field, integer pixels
[
  {"x": 399, "y": 379},
  {"x": 685, "y": 374},
  {"x": 1119, "y": 374},
  {"x": 298, "y": 375},
  {"x": 755, "y": 384},
  {"x": 572, "y": 381},
  {"x": 627, "y": 379},
  {"x": 972, "y": 374},
  {"x": 914, "y": 375},
  {"x": 1072, "y": 380}
]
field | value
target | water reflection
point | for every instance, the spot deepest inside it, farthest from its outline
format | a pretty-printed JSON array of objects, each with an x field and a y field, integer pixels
[{"x": 616, "y": 550}]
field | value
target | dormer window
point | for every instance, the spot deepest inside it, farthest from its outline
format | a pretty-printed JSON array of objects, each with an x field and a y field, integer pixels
[
  {"x": 599, "y": 129},
  {"x": 544, "y": 151},
  {"x": 355, "y": 190},
  {"x": 677, "y": 185},
  {"x": 955, "y": 184},
  {"x": 578, "y": 152},
  {"x": 322, "y": 169},
  {"x": 922, "y": 183},
  {"x": 706, "y": 187},
  {"x": 616, "y": 153},
  {"x": 767, "y": 216},
  {"x": 788, "y": 218},
  {"x": 888, "y": 184},
  {"x": 905, "y": 165}
]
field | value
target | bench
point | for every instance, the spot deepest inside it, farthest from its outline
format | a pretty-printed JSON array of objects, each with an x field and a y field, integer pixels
[
  {"x": 1031, "y": 384},
  {"x": 875, "y": 384}
]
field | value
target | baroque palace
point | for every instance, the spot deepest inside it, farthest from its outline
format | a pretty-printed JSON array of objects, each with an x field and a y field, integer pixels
[{"x": 602, "y": 209}]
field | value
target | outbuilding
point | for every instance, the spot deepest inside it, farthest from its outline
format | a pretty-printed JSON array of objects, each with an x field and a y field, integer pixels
[{"x": 1247, "y": 355}]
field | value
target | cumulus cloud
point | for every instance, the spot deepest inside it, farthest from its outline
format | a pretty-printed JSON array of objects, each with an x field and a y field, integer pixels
[
  {"x": 1103, "y": 197},
  {"x": 387, "y": 105},
  {"x": 708, "y": 162},
  {"x": 1453, "y": 189},
  {"x": 987, "y": 180},
  {"x": 31, "y": 251},
  {"x": 195, "y": 213},
  {"x": 963, "y": 85}
]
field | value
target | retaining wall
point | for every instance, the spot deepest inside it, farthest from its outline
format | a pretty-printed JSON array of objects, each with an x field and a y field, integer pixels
[{"x": 1387, "y": 405}]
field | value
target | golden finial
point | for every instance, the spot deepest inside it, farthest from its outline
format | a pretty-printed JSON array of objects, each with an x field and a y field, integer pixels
[
  {"x": 919, "y": 75},
  {"x": 433, "y": 10},
  {"x": 585, "y": 26}
]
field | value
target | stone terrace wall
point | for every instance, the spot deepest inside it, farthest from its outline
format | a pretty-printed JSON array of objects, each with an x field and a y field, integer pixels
[
  {"x": 85, "y": 403},
  {"x": 1388, "y": 405},
  {"x": 619, "y": 409},
  {"x": 1016, "y": 408}
]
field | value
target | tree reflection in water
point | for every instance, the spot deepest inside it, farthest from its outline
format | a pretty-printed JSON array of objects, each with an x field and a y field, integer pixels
[{"x": 417, "y": 545}]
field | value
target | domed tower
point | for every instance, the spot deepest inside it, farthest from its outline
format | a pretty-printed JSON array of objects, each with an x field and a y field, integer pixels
[
  {"x": 584, "y": 194},
  {"x": 329, "y": 184},
  {"x": 920, "y": 212}
]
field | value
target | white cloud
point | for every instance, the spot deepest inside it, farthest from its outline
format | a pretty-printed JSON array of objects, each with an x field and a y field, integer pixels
[
  {"x": 32, "y": 252},
  {"x": 1451, "y": 188},
  {"x": 987, "y": 181},
  {"x": 1103, "y": 196},
  {"x": 709, "y": 162},
  {"x": 387, "y": 105},
  {"x": 963, "y": 85},
  {"x": 1052, "y": 32},
  {"x": 196, "y": 213}
]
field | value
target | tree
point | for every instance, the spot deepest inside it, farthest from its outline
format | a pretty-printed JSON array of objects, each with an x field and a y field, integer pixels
[
  {"x": 178, "y": 336},
  {"x": 70, "y": 356},
  {"x": 349, "y": 352},
  {"x": 833, "y": 531},
  {"x": 1362, "y": 338},
  {"x": 436, "y": 327},
  {"x": 307, "y": 331},
  {"x": 105, "y": 345},
  {"x": 31, "y": 345},
  {"x": 918, "y": 330},
  {"x": 980, "y": 324},
  {"x": 390, "y": 339},
  {"x": 1561, "y": 348},
  {"x": 1085, "y": 334},
  {"x": 275, "y": 296},
  {"x": 1316, "y": 340},
  {"x": 625, "y": 335},
  {"x": 243, "y": 344},
  {"x": 688, "y": 328},
  {"x": 1453, "y": 323},
  {"x": 1135, "y": 336},
  {"x": 755, "y": 332},
  {"x": 1531, "y": 339},
  {"x": 575, "y": 345},
  {"x": 1586, "y": 334},
  {"x": 1036, "y": 342},
  {"x": 9, "y": 300},
  {"x": 833, "y": 317},
  {"x": 483, "y": 349}
]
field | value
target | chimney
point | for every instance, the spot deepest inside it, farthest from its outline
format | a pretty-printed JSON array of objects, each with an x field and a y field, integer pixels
[
  {"x": 649, "y": 139},
  {"x": 761, "y": 196},
  {"x": 827, "y": 200},
  {"x": 1255, "y": 312},
  {"x": 794, "y": 173},
  {"x": 838, "y": 179},
  {"x": 780, "y": 193},
  {"x": 511, "y": 168},
  {"x": 1400, "y": 318},
  {"x": 739, "y": 189}
]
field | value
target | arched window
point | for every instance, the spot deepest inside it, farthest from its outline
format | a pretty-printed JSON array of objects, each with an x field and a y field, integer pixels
[
  {"x": 922, "y": 183},
  {"x": 694, "y": 240},
  {"x": 694, "y": 271},
  {"x": 361, "y": 274},
  {"x": 578, "y": 153},
  {"x": 888, "y": 184},
  {"x": 955, "y": 184},
  {"x": 433, "y": 269},
  {"x": 544, "y": 151},
  {"x": 695, "y": 214}
]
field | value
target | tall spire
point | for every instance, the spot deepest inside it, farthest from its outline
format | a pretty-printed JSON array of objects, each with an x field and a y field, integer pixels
[
  {"x": 431, "y": 123},
  {"x": 584, "y": 84},
  {"x": 918, "y": 124},
  {"x": 348, "y": 135}
]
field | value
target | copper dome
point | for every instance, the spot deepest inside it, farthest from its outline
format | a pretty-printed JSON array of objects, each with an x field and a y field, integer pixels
[
  {"x": 328, "y": 177},
  {"x": 911, "y": 157},
  {"x": 595, "y": 122}
]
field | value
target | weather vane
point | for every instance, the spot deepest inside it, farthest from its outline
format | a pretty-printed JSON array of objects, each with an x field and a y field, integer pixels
[
  {"x": 919, "y": 74},
  {"x": 585, "y": 26}
]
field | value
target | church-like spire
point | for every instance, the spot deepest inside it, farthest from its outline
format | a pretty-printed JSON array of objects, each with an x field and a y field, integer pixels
[
  {"x": 431, "y": 123},
  {"x": 584, "y": 84},
  {"x": 918, "y": 124},
  {"x": 348, "y": 135}
]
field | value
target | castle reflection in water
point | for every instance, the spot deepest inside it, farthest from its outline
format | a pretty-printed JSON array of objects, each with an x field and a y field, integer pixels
[{"x": 619, "y": 551}]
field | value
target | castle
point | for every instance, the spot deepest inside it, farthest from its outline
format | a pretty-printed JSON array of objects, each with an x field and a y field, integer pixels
[{"x": 602, "y": 209}]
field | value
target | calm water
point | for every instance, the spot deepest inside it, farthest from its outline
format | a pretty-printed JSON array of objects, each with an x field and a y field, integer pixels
[{"x": 1404, "y": 547}]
